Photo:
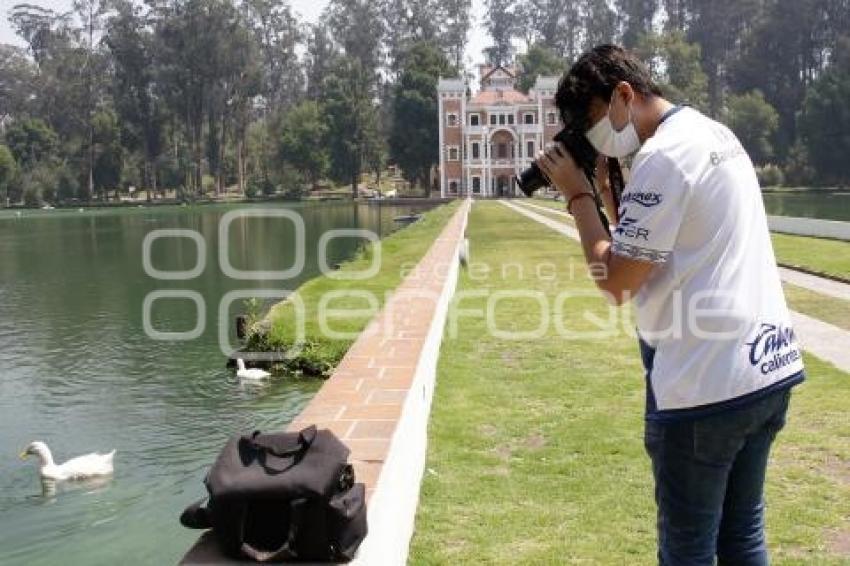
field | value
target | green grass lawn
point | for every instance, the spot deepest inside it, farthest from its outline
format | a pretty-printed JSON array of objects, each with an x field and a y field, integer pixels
[
  {"x": 401, "y": 251},
  {"x": 535, "y": 445},
  {"x": 818, "y": 254},
  {"x": 825, "y": 308}
]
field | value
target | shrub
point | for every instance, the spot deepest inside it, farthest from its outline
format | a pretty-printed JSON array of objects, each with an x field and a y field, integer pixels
[
  {"x": 293, "y": 183},
  {"x": 798, "y": 170},
  {"x": 770, "y": 175}
]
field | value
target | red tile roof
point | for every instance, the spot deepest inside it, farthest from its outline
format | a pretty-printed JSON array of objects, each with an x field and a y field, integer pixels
[{"x": 499, "y": 96}]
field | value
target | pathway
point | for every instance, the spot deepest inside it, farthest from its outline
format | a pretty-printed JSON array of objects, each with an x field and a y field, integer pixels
[{"x": 824, "y": 340}]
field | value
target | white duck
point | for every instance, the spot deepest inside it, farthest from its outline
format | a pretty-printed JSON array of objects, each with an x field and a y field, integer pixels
[
  {"x": 253, "y": 373},
  {"x": 81, "y": 467}
]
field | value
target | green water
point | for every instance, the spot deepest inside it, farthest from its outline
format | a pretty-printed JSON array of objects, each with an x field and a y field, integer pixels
[
  {"x": 78, "y": 371},
  {"x": 828, "y": 205}
]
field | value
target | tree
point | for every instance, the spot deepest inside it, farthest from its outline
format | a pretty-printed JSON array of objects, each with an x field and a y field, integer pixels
[
  {"x": 754, "y": 121},
  {"x": 41, "y": 28},
  {"x": 636, "y": 19},
  {"x": 675, "y": 66},
  {"x": 538, "y": 61},
  {"x": 500, "y": 22},
  {"x": 8, "y": 172},
  {"x": 407, "y": 22},
  {"x": 359, "y": 28},
  {"x": 719, "y": 26},
  {"x": 91, "y": 13},
  {"x": 277, "y": 34},
  {"x": 319, "y": 60},
  {"x": 108, "y": 152},
  {"x": 31, "y": 141},
  {"x": 825, "y": 120},
  {"x": 301, "y": 142},
  {"x": 134, "y": 95},
  {"x": 599, "y": 23},
  {"x": 17, "y": 82},
  {"x": 352, "y": 120},
  {"x": 782, "y": 56},
  {"x": 455, "y": 21},
  {"x": 414, "y": 140}
]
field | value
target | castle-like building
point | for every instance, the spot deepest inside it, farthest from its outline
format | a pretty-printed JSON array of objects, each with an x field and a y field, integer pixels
[{"x": 488, "y": 138}]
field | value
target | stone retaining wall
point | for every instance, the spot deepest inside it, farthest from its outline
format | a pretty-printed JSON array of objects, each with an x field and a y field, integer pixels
[
  {"x": 810, "y": 227},
  {"x": 379, "y": 398}
]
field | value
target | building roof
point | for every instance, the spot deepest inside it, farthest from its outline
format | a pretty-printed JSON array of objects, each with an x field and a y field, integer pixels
[
  {"x": 450, "y": 85},
  {"x": 549, "y": 83},
  {"x": 499, "y": 97}
]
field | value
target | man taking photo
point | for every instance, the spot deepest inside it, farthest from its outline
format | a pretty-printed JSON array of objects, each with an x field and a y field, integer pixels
[{"x": 691, "y": 245}]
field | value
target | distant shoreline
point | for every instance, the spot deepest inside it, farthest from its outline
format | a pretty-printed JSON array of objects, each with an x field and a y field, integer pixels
[{"x": 141, "y": 203}]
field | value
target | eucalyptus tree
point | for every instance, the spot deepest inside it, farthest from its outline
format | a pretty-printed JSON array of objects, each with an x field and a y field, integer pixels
[
  {"x": 134, "y": 87},
  {"x": 91, "y": 14},
  {"x": 277, "y": 34},
  {"x": 319, "y": 59},
  {"x": 413, "y": 140},
  {"x": 501, "y": 23},
  {"x": 352, "y": 120},
  {"x": 455, "y": 22}
]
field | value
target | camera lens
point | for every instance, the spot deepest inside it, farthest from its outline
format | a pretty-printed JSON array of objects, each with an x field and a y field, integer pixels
[{"x": 531, "y": 179}]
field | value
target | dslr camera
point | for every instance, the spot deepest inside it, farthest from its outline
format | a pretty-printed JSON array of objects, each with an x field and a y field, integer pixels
[
  {"x": 584, "y": 155},
  {"x": 579, "y": 149}
]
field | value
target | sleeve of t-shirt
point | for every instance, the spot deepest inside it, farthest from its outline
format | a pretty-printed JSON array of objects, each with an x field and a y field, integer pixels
[{"x": 651, "y": 209}]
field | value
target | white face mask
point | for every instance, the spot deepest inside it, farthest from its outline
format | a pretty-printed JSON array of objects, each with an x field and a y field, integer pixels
[{"x": 608, "y": 141}]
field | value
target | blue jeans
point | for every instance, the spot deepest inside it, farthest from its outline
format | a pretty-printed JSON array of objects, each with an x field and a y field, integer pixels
[{"x": 709, "y": 483}]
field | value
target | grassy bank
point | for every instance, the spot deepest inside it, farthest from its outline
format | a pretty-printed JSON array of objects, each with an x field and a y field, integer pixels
[
  {"x": 319, "y": 354},
  {"x": 828, "y": 309},
  {"x": 817, "y": 254},
  {"x": 535, "y": 445}
]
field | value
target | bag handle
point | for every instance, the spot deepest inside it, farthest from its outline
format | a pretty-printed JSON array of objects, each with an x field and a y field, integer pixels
[
  {"x": 305, "y": 439},
  {"x": 196, "y": 516}
]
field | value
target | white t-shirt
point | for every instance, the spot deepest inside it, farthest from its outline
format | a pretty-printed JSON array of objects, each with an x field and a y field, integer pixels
[{"x": 715, "y": 331}]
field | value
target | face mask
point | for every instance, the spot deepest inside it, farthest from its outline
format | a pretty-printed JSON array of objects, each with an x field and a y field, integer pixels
[{"x": 608, "y": 141}]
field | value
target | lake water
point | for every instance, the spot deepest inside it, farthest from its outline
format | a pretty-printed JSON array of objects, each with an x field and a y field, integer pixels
[
  {"x": 831, "y": 205},
  {"x": 78, "y": 371}
]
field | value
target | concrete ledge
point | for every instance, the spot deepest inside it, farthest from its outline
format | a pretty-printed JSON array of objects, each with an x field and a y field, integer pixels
[
  {"x": 810, "y": 227},
  {"x": 379, "y": 398}
]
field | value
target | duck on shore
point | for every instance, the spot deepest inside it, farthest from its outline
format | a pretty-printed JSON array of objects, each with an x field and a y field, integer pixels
[{"x": 79, "y": 468}]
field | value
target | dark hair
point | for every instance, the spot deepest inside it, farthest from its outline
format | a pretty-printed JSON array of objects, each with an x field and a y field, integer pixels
[{"x": 595, "y": 74}]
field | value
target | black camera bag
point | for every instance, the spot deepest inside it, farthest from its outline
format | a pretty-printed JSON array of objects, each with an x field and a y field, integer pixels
[{"x": 285, "y": 496}]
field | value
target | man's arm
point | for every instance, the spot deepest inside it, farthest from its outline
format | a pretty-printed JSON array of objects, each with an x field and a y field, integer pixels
[{"x": 618, "y": 277}]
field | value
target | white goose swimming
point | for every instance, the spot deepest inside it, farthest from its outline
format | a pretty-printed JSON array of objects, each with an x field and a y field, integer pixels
[
  {"x": 81, "y": 467},
  {"x": 253, "y": 373}
]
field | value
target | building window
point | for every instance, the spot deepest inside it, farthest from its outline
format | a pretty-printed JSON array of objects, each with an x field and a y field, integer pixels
[
  {"x": 453, "y": 153},
  {"x": 510, "y": 119},
  {"x": 501, "y": 119},
  {"x": 502, "y": 151},
  {"x": 473, "y": 120},
  {"x": 492, "y": 119},
  {"x": 476, "y": 185},
  {"x": 453, "y": 186},
  {"x": 529, "y": 118},
  {"x": 476, "y": 150},
  {"x": 550, "y": 118},
  {"x": 530, "y": 148},
  {"x": 451, "y": 120}
]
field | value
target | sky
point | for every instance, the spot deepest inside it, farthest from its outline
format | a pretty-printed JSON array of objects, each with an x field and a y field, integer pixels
[{"x": 309, "y": 10}]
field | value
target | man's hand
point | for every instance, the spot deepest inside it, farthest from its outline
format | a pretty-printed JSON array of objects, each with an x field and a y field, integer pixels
[{"x": 559, "y": 167}]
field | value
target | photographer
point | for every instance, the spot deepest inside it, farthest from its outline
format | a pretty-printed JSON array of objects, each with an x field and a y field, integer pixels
[{"x": 691, "y": 245}]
